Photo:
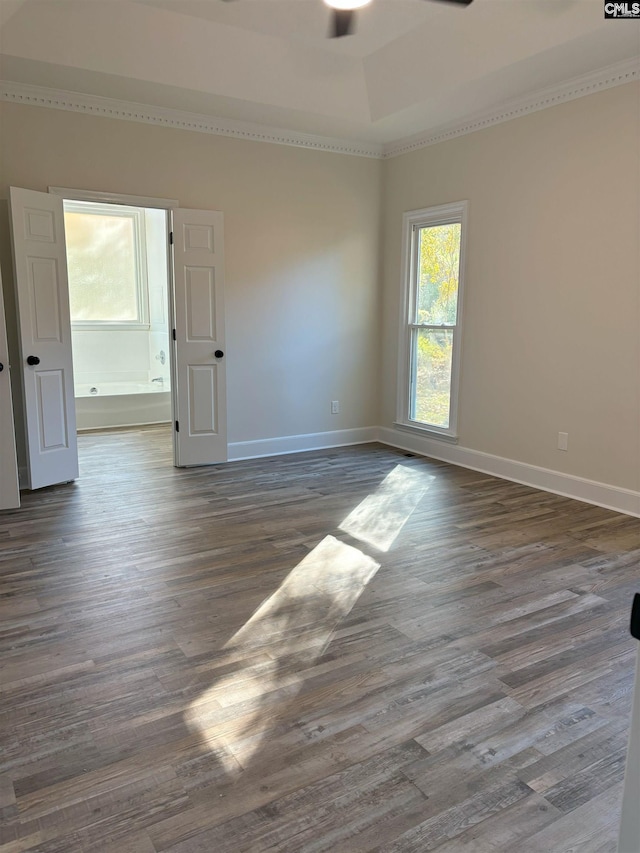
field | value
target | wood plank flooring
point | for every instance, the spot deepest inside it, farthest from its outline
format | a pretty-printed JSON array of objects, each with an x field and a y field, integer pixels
[{"x": 355, "y": 651}]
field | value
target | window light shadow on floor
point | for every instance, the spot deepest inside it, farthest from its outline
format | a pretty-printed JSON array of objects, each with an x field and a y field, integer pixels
[
  {"x": 272, "y": 653},
  {"x": 380, "y": 517}
]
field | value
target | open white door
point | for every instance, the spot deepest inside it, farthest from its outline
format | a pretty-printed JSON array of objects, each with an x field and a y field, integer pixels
[
  {"x": 40, "y": 263},
  {"x": 9, "y": 491},
  {"x": 199, "y": 363}
]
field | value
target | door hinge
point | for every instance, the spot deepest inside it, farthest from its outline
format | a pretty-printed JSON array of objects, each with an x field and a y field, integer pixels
[
  {"x": 174, "y": 334},
  {"x": 177, "y": 426},
  {"x": 171, "y": 238}
]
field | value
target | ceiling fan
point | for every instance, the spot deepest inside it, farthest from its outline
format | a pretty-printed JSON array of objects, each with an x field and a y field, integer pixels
[
  {"x": 343, "y": 19},
  {"x": 344, "y": 14}
]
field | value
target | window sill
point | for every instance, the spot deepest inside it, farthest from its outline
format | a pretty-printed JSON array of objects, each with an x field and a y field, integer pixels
[
  {"x": 110, "y": 327},
  {"x": 427, "y": 432}
]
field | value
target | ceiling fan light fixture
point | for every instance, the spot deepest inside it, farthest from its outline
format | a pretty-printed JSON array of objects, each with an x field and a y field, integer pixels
[{"x": 347, "y": 5}]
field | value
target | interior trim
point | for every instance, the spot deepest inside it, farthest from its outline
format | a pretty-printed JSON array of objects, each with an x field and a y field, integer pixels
[
  {"x": 587, "y": 84},
  {"x": 620, "y": 500},
  {"x": 300, "y": 443},
  {"x": 59, "y": 99},
  {"x": 610, "y": 497},
  {"x": 115, "y": 198},
  {"x": 615, "y": 498}
]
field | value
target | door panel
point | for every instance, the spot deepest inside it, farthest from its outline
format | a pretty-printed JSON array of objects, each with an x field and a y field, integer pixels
[
  {"x": 9, "y": 491},
  {"x": 42, "y": 290},
  {"x": 202, "y": 399},
  {"x": 200, "y": 374},
  {"x": 51, "y": 400},
  {"x": 200, "y": 296},
  {"x": 44, "y": 286},
  {"x": 39, "y": 225}
]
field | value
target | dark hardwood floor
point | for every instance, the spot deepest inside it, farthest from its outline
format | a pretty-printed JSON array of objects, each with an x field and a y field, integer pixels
[{"x": 350, "y": 650}]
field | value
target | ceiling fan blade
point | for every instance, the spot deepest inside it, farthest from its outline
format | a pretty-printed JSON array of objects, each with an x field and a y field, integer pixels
[
  {"x": 458, "y": 2},
  {"x": 342, "y": 23}
]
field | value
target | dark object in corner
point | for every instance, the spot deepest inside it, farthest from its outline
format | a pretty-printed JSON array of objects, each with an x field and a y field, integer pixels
[{"x": 634, "y": 627}]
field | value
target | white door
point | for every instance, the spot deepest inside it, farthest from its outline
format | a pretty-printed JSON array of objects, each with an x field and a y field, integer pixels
[
  {"x": 40, "y": 264},
  {"x": 9, "y": 491},
  {"x": 199, "y": 362}
]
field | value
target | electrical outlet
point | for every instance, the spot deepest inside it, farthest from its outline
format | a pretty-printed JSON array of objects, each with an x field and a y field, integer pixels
[
  {"x": 563, "y": 441},
  {"x": 335, "y": 407}
]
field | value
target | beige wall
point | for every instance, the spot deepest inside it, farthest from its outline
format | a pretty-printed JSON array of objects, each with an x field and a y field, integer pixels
[
  {"x": 301, "y": 246},
  {"x": 552, "y": 310},
  {"x": 552, "y": 335}
]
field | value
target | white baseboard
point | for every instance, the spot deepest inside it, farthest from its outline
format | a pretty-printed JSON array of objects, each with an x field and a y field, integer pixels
[
  {"x": 566, "y": 485},
  {"x": 300, "y": 443}
]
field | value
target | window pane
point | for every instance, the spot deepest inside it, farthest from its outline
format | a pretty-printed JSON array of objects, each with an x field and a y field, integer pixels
[
  {"x": 431, "y": 374},
  {"x": 101, "y": 257},
  {"x": 438, "y": 266}
]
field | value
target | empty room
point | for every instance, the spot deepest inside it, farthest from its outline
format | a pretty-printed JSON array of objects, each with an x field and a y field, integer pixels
[{"x": 319, "y": 426}]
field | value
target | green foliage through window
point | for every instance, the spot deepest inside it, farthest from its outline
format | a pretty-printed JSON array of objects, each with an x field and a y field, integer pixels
[
  {"x": 432, "y": 372},
  {"x": 439, "y": 263},
  {"x": 436, "y": 304}
]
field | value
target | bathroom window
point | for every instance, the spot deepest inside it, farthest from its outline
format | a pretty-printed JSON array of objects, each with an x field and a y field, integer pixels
[{"x": 106, "y": 260}]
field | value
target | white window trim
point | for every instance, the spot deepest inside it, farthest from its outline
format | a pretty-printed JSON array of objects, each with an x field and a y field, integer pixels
[
  {"x": 136, "y": 214},
  {"x": 412, "y": 220}
]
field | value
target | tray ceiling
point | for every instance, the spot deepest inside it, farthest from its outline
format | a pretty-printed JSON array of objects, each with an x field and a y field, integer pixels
[{"x": 412, "y": 66}]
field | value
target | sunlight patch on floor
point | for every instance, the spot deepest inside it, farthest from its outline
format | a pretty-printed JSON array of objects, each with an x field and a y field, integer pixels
[
  {"x": 380, "y": 517},
  {"x": 294, "y": 627}
]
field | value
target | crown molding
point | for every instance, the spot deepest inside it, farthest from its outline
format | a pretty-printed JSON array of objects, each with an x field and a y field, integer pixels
[
  {"x": 59, "y": 99},
  {"x": 578, "y": 87},
  {"x": 587, "y": 84}
]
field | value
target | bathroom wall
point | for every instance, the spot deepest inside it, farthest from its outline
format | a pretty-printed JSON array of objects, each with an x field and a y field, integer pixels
[
  {"x": 110, "y": 356},
  {"x": 157, "y": 272}
]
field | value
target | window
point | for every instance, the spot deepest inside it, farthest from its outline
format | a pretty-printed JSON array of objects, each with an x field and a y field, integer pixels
[
  {"x": 106, "y": 260},
  {"x": 433, "y": 246}
]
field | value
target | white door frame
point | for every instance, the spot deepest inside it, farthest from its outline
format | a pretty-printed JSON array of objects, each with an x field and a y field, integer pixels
[
  {"x": 114, "y": 198},
  {"x": 168, "y": 205}
]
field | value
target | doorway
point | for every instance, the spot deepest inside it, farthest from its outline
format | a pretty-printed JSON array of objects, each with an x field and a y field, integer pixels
[
  {"x": 119, "y": 308},
  {"x": 194, "y": 248}
]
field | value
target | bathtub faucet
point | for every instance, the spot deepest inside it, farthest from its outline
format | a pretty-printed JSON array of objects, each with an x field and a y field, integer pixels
[
  {"x": 161, "y": 357},
  {"x": 159, "y": 379}
]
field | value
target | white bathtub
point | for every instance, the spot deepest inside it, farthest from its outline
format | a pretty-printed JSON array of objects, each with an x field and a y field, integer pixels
[{"x": 115, "y": 404}]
